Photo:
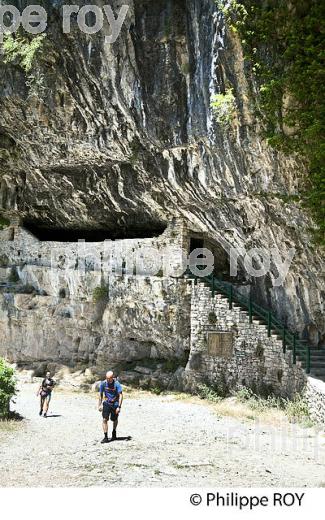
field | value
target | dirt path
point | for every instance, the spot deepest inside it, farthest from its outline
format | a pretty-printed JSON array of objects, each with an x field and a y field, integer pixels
[{"x": 174, "y": 443}]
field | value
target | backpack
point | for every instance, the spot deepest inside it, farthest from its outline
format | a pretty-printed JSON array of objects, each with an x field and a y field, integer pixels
[{"x": 112, "y": 389}]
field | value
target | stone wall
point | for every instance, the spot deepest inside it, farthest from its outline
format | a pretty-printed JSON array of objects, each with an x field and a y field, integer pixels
[
  {"x": 144, "y": 256},
  {"x": 243, "y": 357},
  {"x": 76, "y": 268},
  {"x": 315, "y": 394}
]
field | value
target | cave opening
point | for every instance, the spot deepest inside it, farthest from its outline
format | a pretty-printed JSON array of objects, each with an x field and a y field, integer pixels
[
  {"x": 123, "y": 232},
  {"x": 196, "y": 243},
  {"x": 221, "y": 259}
]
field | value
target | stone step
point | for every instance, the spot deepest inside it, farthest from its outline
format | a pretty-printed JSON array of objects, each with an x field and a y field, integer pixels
[
  {"x": 320, "y": 374},
  {"x": 318, "y": 366}
]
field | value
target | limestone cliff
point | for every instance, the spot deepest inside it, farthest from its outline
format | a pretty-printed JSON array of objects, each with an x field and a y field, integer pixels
[{"x": 122, "y": 138}]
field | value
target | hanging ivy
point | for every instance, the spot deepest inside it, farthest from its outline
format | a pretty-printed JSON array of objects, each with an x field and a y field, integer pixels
[{"x": 284, "y": 46}]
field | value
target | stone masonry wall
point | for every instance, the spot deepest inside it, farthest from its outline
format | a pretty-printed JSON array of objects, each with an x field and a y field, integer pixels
[
  {"x": 142, "y": 254},
  {"x": 315, "y": 395},
  {"x": 256, "y": 361}
]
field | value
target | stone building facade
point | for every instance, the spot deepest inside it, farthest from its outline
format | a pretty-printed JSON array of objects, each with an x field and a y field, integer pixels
[{"x": 229, "y": 352}]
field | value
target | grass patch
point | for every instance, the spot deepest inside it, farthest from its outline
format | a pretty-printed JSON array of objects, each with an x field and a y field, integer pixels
[
  {"x": 245, "y": 404},
  {"x": 12, "y": 423},
  {"x": 296, "y": 410}
]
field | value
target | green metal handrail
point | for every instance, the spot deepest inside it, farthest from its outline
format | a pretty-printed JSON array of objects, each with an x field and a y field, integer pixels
[{"x": 289, "y": 339}]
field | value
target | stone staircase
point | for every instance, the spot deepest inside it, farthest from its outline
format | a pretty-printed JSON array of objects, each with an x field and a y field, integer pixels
[{"x": 317, "y": 354}]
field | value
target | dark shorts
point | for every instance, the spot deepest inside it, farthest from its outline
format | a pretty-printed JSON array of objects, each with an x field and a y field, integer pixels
[
  {"x": 46, "y": 396},
  {"x": 109, "y": 411}
]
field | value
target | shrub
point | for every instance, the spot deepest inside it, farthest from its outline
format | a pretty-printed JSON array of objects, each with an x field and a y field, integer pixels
[
  {"x": 212, "y": 318},
  {"x": 224, "y": 107},
  {"x": 297, "y": 410},
  {"x": 14, "y": 277},
  {"x": 7, "y": 388},
  {"x": 4, "y": 222},
  {"x": 100, "y": 293},
  {"x": 208, "y": 393},
  {"x": 156, "y": 390},
  {"x": 22, "y": 51},
  {"x": 4, "y": 261}
]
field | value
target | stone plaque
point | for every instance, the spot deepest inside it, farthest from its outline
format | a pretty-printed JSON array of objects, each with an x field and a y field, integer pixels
[{"x": 220, "y": 344}]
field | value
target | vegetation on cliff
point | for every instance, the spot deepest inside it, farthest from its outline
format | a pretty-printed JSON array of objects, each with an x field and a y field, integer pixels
[
  {"x": 283, "y": 43},
  {"x": 22, "y": 51},
  {"x": 3, "y": 222}
]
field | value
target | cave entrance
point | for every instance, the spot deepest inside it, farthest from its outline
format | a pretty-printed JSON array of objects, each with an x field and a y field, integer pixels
[
  {"x": 196, "y": 243},
  {"x": 221, "y": 268},
  {"x": 133, "y": 231}
]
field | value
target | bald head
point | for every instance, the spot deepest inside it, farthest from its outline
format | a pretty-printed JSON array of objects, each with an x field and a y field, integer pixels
[{"x": 109, "y": 375}]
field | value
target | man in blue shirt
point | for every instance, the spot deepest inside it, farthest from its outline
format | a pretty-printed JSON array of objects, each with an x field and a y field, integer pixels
[{"x": 109, "y": 403}]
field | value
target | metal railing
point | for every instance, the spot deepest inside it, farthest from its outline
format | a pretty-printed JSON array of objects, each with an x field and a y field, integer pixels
[{"x": 290, "y": 339}]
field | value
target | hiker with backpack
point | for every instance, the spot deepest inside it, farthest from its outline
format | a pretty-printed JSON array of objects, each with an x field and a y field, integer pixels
[
  {"x": 45, "y": 393},
  {"x": 110, "y": 403}
]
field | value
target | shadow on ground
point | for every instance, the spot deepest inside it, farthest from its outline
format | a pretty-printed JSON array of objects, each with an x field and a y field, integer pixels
[
  {"x": 129, "y": 438},
  {"x": 15, "y": 416}
]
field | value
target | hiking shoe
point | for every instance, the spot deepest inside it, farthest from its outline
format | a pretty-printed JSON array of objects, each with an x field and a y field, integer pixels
[
  {"x": 104, "y": 441},
  {"x": 113, "y": 435},
  {"x": 44, "y": 414},
  {"x": 41, "y": 412}
]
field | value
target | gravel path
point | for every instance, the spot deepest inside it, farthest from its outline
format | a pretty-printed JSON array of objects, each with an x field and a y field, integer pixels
[{"x": 174, "y": 443}]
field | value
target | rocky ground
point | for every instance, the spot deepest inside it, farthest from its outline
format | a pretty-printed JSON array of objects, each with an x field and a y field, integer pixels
[{"x": 163, "y": 441}]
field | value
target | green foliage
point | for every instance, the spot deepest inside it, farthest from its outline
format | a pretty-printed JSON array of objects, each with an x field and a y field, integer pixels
[
  {"x": 258, "y": 403},
  {"x": 224, "y": 107},
  {"x": 283, "y": 42},
  {"x": 100, "y": 294},
  {"x": 296, "y": 409},
  {"x": 167, "y": 26},
  {"x": 22, "y": 51},
  {"x": 215, "y": 392},
  {"x": 4, "y": 222},
  {"x": 235, "y": 13},
  {"x": 208, "y": 393},
  {"x": 186, "y": 68},
  {"x": 171, "y": 365},
  {"x": 156, "y": 390},
  {"x": 14, "y": 277},
  {"x": 4, "y": 261},
  {"x": 7, "y": 388},
  {"x": 136, "y": 148}
]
